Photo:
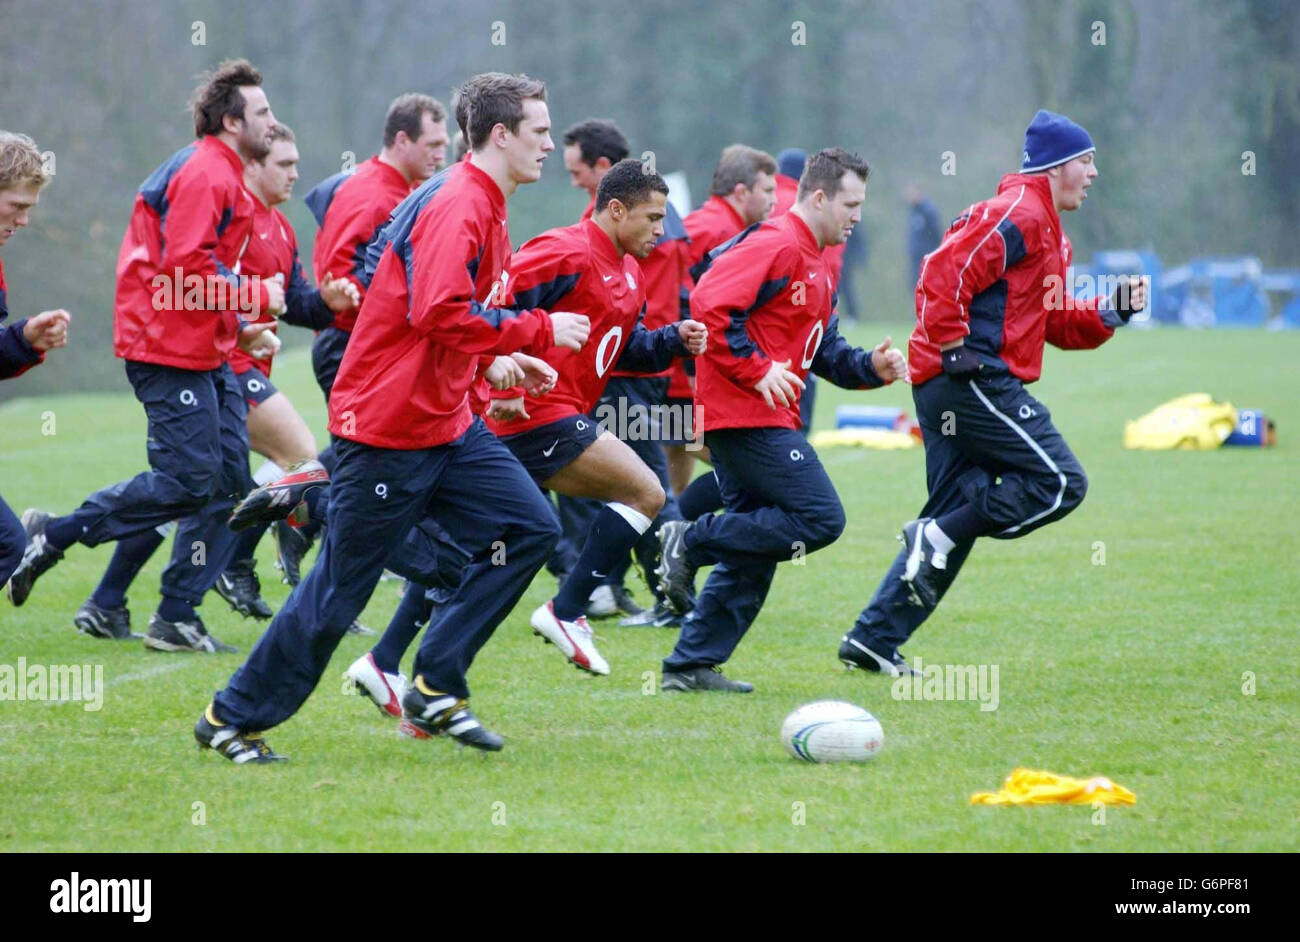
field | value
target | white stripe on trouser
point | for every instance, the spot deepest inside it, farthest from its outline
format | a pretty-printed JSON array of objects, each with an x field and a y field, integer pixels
[{"x": 1038, "y": 450}]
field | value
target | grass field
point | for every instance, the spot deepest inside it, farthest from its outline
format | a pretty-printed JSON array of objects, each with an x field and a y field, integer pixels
[{"x": 1133, "y": 669}]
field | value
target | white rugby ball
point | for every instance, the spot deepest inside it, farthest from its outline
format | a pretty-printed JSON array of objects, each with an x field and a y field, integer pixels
[{"x": 832, "y": 731}]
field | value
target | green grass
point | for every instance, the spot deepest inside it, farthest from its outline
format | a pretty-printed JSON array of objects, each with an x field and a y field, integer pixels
[{"x": 1132, "y": 669}]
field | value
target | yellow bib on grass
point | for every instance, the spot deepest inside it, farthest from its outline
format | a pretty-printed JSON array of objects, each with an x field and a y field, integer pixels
[
  {"x": 1035, "y": 787},
  {"x": 863, "y": 437},
  {"x": 1189, "y": 422}
]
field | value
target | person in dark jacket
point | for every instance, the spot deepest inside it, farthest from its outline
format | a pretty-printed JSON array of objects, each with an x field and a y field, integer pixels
[
  {"x": 24, "y": 343},
  {"x": 924, "y": 230}
]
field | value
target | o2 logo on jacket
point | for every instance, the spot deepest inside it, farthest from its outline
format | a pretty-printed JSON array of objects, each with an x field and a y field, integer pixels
[
  {"x": 607, "y": 352},
  {"x": 812, "y": 343},
  {"x": 498, "y": 292}
]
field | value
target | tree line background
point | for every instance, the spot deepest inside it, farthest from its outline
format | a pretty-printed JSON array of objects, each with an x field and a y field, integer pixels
[{"x": 1174, "y": 93}]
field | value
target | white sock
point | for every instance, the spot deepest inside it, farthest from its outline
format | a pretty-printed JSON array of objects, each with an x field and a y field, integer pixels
[
  {"x": 635, "y": 519},
  {"x": 942, "y": 545},
  {"x": 268, "y": 472}
]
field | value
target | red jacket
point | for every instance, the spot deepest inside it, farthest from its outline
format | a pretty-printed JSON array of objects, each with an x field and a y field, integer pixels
[
  {"x": 768, "y": 297},
  {"x": 708, "y": 227},
  {"x": 351, "y": 209},
  {"x": 17, "y": 356},
  {"x": 578, "y": 269},
  {"x": 787, "y": 190},
  {"x": 179, "y": 291},
  {"x": 991, "y": 281},
  {"x": 429, "y": 316},
  {"x": 273, "y": 254}
]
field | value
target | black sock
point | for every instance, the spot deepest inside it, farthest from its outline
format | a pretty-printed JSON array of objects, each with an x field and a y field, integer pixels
[
  {"x": 963, "y": 525},
  {"x": 412, "y": 614},
  {"x": 129, "y": 557},
  {"x": 610, "y": 539},
  {"x": 246, "y": 543}
]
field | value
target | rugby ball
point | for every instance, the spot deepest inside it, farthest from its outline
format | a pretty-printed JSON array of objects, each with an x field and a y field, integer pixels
[{"x": 832, "y": 731}]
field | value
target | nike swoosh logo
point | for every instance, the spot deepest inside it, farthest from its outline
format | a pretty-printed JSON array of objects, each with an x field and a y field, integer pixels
[
  {"x": 607, "y": 277},
  {"x": 598, "y": 575},
  {"x": 548, "y": 451}
]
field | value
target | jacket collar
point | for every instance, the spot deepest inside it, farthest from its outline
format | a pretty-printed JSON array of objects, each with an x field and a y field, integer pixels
[
  {"x": 393, "y": 174},
  {"x": 602, "y": 246},
  {"x": 216, "y": 145},
  {"x": 486, "y": 184},
  {"x": 807, "y": 241},
  {"x": 1037, "y": 185},
  {"x": 721, "y": 205}
]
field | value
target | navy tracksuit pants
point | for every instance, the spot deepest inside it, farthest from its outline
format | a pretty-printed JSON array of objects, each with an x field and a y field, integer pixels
[
  {"x": 991, "y": 444},
  {"x": 13, "y": 541},
  {"x": 326, "y": 357},
  {"x": 198, "y": 459},
  {"x": 780, "y": 504},
  {"x": 475, "y": 489}
]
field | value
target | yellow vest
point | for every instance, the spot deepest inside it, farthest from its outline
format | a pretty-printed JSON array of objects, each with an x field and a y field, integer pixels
[{"x": 1190, "y": 422}]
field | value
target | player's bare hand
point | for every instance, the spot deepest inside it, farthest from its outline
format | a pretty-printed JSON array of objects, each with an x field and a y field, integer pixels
[
  {"x": 47, "y": 330},
  {"x": 259, "y": 340},
  {"x": 539, "y": 376},
  {"x": 570, "y": 330},
  {"x": 274, "y": 296},
  {"x": 779, "y": 385},
  {"x": 888, "y": 362},
  {"x": 503, "y": 373},
  {"x": 339, "y": 294},
  {"x": 695, "y": 335},
  {"x": 507, "y": 410}
]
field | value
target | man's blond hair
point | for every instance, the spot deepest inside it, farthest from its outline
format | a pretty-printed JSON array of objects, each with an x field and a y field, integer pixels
[{"x": 21, "y": 163}]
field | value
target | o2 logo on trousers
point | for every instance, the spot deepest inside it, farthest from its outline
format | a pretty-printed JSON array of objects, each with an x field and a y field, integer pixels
[
  {"x": 581, "y": 425},
  {"x": 607, "y": 352},
  {"x": 811, "y": 344},
  {"x": 796, "y": 454},
  {"x": 188, "y": 398},
  {"x": 381, "y": 491},
  {"x": 255, "y": 386}
]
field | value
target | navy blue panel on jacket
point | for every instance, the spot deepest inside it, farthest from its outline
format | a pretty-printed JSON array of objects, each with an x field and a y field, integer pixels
[
  {"x": 397, "y": 231},
  {"x": 704, "y": 264},
  {"x": 320, "y": 196}
]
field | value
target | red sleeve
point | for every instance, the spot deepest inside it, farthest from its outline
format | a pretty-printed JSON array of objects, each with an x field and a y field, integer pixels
[
  {"x": 742, "y": 279},
  {"x": 1077, "y": 325},
  {"x": 973, "y": 256},
  {"x": 443, "y": 305},
  {"x": 352, "y": 224},
  {"x": 197, "y": 205}
]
